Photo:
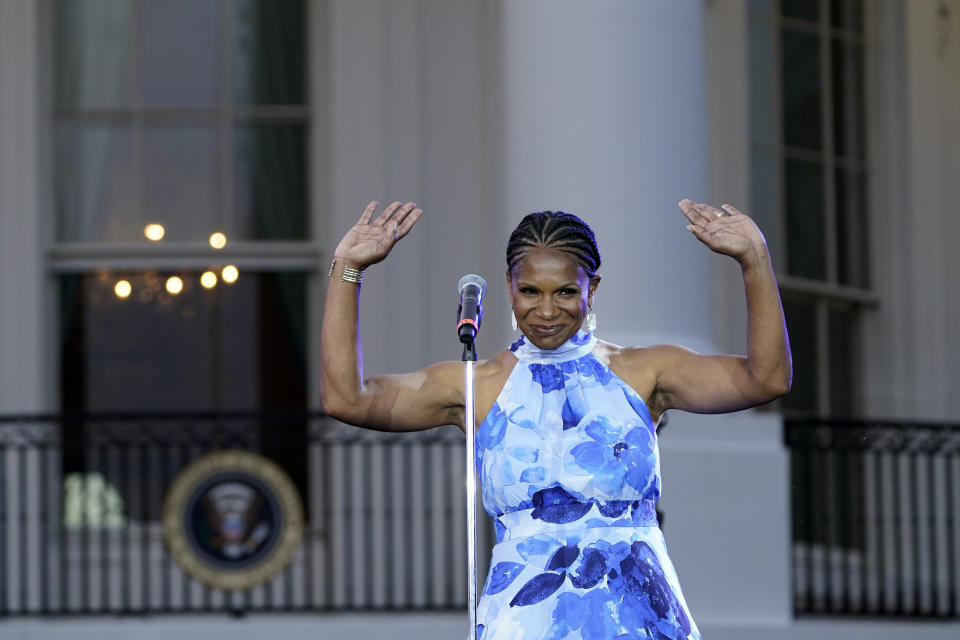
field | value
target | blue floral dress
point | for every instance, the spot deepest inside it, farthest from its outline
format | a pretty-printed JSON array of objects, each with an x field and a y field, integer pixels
[{"x": 570, "y": 472}]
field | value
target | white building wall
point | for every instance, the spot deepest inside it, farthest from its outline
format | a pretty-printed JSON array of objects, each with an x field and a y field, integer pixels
[
  {"x": 23, "y": 380},
  {"x": 409, "y": 120},
  {"x": 726, "y": 86}
]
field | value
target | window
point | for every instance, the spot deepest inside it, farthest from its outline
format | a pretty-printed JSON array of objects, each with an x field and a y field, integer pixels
[
  {"x": 808, "y": 181},
  {"x": 189, "y": 113},
  {"x": 175, "y": 120}
]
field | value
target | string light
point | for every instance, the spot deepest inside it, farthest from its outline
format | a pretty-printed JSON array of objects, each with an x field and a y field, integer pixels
[
  {"x": 230, "y": 274},
  {"x": 122, "y": 289},
  {"x": 208, "y": 280},
  {"x": 154, "y": 232},
  {"x": 174, "y": 285},
  {"x": 218, "y": 240}
]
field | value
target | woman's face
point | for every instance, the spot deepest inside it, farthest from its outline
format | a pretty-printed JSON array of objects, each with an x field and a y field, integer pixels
[{"x": 551, "y": 295}]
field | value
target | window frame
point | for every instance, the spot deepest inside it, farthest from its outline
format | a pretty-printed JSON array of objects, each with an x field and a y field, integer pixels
[
  {"x": 225, "y": 116},
  {"x": 827, "y": 294}
]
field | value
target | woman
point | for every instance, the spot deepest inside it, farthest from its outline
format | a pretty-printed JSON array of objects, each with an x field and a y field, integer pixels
[{"x": 567, "y": 452}]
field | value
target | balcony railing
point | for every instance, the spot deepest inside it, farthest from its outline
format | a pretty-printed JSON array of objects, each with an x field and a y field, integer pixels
[
  {"x": 81, "y": 503},
  {"x": 876, "y": 518}
]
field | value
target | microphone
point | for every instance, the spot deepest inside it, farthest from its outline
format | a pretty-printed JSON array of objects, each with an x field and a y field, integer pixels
[{"x": 470, "y": 313}]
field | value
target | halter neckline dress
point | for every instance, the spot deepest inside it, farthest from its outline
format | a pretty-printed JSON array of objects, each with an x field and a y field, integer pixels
[{"x": 569, "y": 470}]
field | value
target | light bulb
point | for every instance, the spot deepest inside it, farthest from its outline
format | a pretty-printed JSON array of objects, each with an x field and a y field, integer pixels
[
  {"x": 174, "y": 285},
  {"x": 154, "y": 232},
  {"x": 218, "y": 240},
  {"x": 122, "y": 289}
]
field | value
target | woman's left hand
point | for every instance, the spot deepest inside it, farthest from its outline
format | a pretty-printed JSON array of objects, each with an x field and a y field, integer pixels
[{"x": 727, "y": 230}]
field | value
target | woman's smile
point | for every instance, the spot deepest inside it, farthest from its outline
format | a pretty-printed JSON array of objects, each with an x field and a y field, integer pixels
[{"x": 546, "y": 330}]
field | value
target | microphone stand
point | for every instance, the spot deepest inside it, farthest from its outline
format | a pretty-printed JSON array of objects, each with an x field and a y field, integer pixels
[{"x": 469, "y": 358}]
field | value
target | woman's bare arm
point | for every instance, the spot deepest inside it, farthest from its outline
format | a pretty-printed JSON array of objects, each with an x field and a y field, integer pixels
[
  {"x": 720, "y": 383},
  {"x": 423, "y": 399}
]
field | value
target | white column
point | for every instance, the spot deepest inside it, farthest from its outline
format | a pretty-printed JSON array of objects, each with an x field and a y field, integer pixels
[
  {"x": 22, "y": 384},
  {"x": 911, "y": 353},
  {"x": 604, "y": 117},
  {"x": 933, "y": 102}
]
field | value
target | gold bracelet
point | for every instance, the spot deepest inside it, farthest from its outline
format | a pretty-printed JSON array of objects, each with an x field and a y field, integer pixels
[
  {"x": 352, "y": 275},
  {"x": 349, "y": 274}
]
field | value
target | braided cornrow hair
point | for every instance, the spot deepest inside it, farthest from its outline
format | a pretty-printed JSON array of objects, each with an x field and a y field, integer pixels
[{"x": 554, "y": 230}]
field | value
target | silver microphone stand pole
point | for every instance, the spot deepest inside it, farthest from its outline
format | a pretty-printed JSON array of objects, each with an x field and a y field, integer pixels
[
  {"x": 471, "y": 288},
  {"x": 469, "y": 357}
]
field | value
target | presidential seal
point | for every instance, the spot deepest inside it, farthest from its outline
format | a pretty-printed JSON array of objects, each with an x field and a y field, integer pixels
[{"x": 232, "y": 520}]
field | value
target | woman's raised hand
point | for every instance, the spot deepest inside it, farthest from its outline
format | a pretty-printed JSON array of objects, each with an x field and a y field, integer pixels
[
  {"x": 726, "y": 230},
  {"x": 369, "y": 242}
]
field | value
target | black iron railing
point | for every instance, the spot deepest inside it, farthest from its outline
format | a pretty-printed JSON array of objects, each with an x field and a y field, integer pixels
[
  {"x": 81, "y": 500},
  {"x": 876, "y": 518}
]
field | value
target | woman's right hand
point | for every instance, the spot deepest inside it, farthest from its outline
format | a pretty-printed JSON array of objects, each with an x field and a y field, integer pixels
[{"x": 367, "y": 242}]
